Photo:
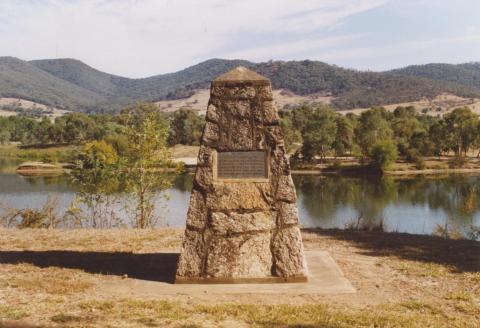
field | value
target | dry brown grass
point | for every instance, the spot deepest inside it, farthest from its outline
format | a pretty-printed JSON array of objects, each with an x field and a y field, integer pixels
[
  {"x": 121, "y": 240},
  {"x": 402, "y": 281}
]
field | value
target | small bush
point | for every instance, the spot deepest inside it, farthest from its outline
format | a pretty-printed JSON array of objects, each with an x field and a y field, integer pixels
[
  {"x": 414, "y": 156},
  {"x": 457, "y": 162},
  {"x": 420, "y": 163},
  {"x": 49, "y": 157},
  {"x": 383, "y": 154},
  {"x": 336, "y": 164}
]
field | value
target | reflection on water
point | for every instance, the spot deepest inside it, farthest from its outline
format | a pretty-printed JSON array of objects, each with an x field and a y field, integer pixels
[{"x": 417, "y": 205}]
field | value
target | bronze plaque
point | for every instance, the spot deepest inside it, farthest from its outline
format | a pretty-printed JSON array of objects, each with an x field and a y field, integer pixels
[{"x": 242, "y": 165}]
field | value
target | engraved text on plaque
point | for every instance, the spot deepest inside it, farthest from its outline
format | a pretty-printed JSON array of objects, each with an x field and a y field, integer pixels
[{"x": 242, "y": 164}]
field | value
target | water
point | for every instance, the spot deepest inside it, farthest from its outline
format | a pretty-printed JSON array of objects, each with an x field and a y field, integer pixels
[{"x": 417, "y": 205}]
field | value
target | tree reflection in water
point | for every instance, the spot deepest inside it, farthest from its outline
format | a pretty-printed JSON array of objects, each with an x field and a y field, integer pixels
[
  {"x": 372, "y": 199},
  {"x": 447, "y": 205}
]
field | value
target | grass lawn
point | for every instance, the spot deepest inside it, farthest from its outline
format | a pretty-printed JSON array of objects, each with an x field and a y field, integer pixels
[{"x": 58, "y": 278}]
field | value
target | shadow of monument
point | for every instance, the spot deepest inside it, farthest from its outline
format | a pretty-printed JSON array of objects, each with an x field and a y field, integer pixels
[
  {"x": 460, "y": 255},
  {"x": 154, "y": 266}
]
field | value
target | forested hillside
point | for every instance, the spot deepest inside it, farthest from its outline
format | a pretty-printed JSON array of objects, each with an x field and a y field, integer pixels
[
  {"x": 462, "y": 74},
  {"x": 20, "y": 79},
  {"x": 71, "y": 84}
]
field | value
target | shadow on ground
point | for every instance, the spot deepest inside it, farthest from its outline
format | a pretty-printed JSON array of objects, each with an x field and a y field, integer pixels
[
  {"x": 155, "y": 266},
  {"x": 461, "y": 255}
]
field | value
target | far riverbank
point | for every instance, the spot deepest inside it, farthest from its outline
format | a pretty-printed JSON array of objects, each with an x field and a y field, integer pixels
[{"x": 187, "y": 155}]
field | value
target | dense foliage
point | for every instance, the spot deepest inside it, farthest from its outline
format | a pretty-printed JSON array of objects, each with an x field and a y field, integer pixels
[
  {"x": 185, "y": 127},
  {"x": 376, "y": 135},
  {"x": 464, "y": 74},
  {"x": 70, "y": 84},
  {"x": 380, "y": 136},
  {"x": 138, "y": 167}
]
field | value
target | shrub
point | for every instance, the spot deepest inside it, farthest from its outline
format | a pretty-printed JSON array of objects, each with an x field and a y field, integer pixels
[
  {"x": 414, "y": 156},
  {"x": 420, "y": 163},
  {"x": 383, "y": 154},
  {"x": 336, "y": 164},
  {"x": 457, "y": 161}
]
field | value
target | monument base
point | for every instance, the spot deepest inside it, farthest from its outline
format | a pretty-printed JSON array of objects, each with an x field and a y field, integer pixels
[
  {"x": 324, "y": 278},
  {"x": 263, "y": 280}
]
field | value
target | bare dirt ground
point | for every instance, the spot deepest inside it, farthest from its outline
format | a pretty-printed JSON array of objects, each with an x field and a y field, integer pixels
[
  {"x": 57, "y": 278},
  {"x": 199, "y": 100},
  {"x": 27, "y": 104},
  {"x": 440, "y": 105}
]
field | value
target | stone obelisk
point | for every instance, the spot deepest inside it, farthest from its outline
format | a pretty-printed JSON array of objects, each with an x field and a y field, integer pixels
[{"x": 242, "y": 223}]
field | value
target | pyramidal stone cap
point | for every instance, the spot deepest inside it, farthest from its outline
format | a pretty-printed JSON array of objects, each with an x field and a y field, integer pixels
[{"x": 241, "y": 75}]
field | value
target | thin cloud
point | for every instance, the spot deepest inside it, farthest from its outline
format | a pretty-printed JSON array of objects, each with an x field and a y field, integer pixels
[{"x": 139, "y": 38}]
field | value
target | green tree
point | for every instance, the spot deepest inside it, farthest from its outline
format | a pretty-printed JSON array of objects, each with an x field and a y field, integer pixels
[
  {"x": 42, "y": 131},
  {"x": 98, "y": 155},
  {"x": 405, "y": 125},
  {"x": 147, "y": 135},
  {"x": 319, "y": 134},
  {"x": 97, "y": 175},
  {"x": 4, "y": 136},
  {"x": 290, "y": 134},
  {"x": 462, "y": 123},
  {"x": 301, "y": 117},
  {"x": 442, "y": 137},
  {"x": 372, "y": 127},
  {"x": 78, "y": 127},
  {"x": 344, "y": 136},
  {"x": 186, "y": 127}
]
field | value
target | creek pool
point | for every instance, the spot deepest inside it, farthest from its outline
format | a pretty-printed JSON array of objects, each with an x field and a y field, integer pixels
[{"x": 417, "y": 205}]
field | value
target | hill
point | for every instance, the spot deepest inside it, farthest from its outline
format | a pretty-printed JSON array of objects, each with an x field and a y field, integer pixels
[
  {"x": 73, "y": 85},
  {"x": 463, "y": 74},
  {"x": 84, "y": 76},
  {"x": 20, "y": 79}
]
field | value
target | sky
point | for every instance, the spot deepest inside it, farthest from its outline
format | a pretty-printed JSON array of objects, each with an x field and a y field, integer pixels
[{"x": 139, "y": 38}]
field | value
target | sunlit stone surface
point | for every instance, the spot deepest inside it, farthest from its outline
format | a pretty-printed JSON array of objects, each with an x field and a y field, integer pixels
[{"x": 242, "y": 224}]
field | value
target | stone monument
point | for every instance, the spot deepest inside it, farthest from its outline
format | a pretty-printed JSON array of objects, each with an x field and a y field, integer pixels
[{"x": 242, "y": 223}]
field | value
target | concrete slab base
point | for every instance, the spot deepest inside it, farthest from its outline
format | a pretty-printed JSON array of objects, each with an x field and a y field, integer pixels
[{"x": 325, "y": 278}]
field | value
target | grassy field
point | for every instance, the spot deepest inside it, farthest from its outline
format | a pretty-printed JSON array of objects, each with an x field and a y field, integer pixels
[
  {"x": 51, "y": 154},
  {"x": 58, "y": 278}
]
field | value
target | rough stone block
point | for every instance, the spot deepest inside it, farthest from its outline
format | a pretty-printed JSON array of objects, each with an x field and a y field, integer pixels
[
  {"x": 279, "y": 165},
  {"x": 288, "y": 253},
  {"x": 240, "y": 92},
  {"x": 233, "y": 223},
  {"x": 286, "y": 189},
  {"x": 212, "y": 113},
  {"x": 217, "y": 91},
  {"x": 264, "y": 92},
  {"x": 239, "y": 108},
  {"x": 287, "y": 213},
  {"x": 210, "y": 134},
  {"x": 244, "y": 256},
  {"x": 204, "y": 178},
  {"x": 273, "y": 137},
  {"x": 238, "y": 196},
  {"x": 197, "y": 215},
  {"x": 236, "y": 136},
  {"x": 205, "y": 157},
  {"x": 190, "y": 263},
  {"x": 270, "y": 113}
]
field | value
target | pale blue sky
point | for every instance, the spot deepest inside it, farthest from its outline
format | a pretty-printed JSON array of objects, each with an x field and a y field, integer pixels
[{"x": 138, "y": 38}]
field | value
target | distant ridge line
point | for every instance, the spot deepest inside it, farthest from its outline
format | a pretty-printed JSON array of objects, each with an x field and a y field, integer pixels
[{"x": 70, "y": 84}]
